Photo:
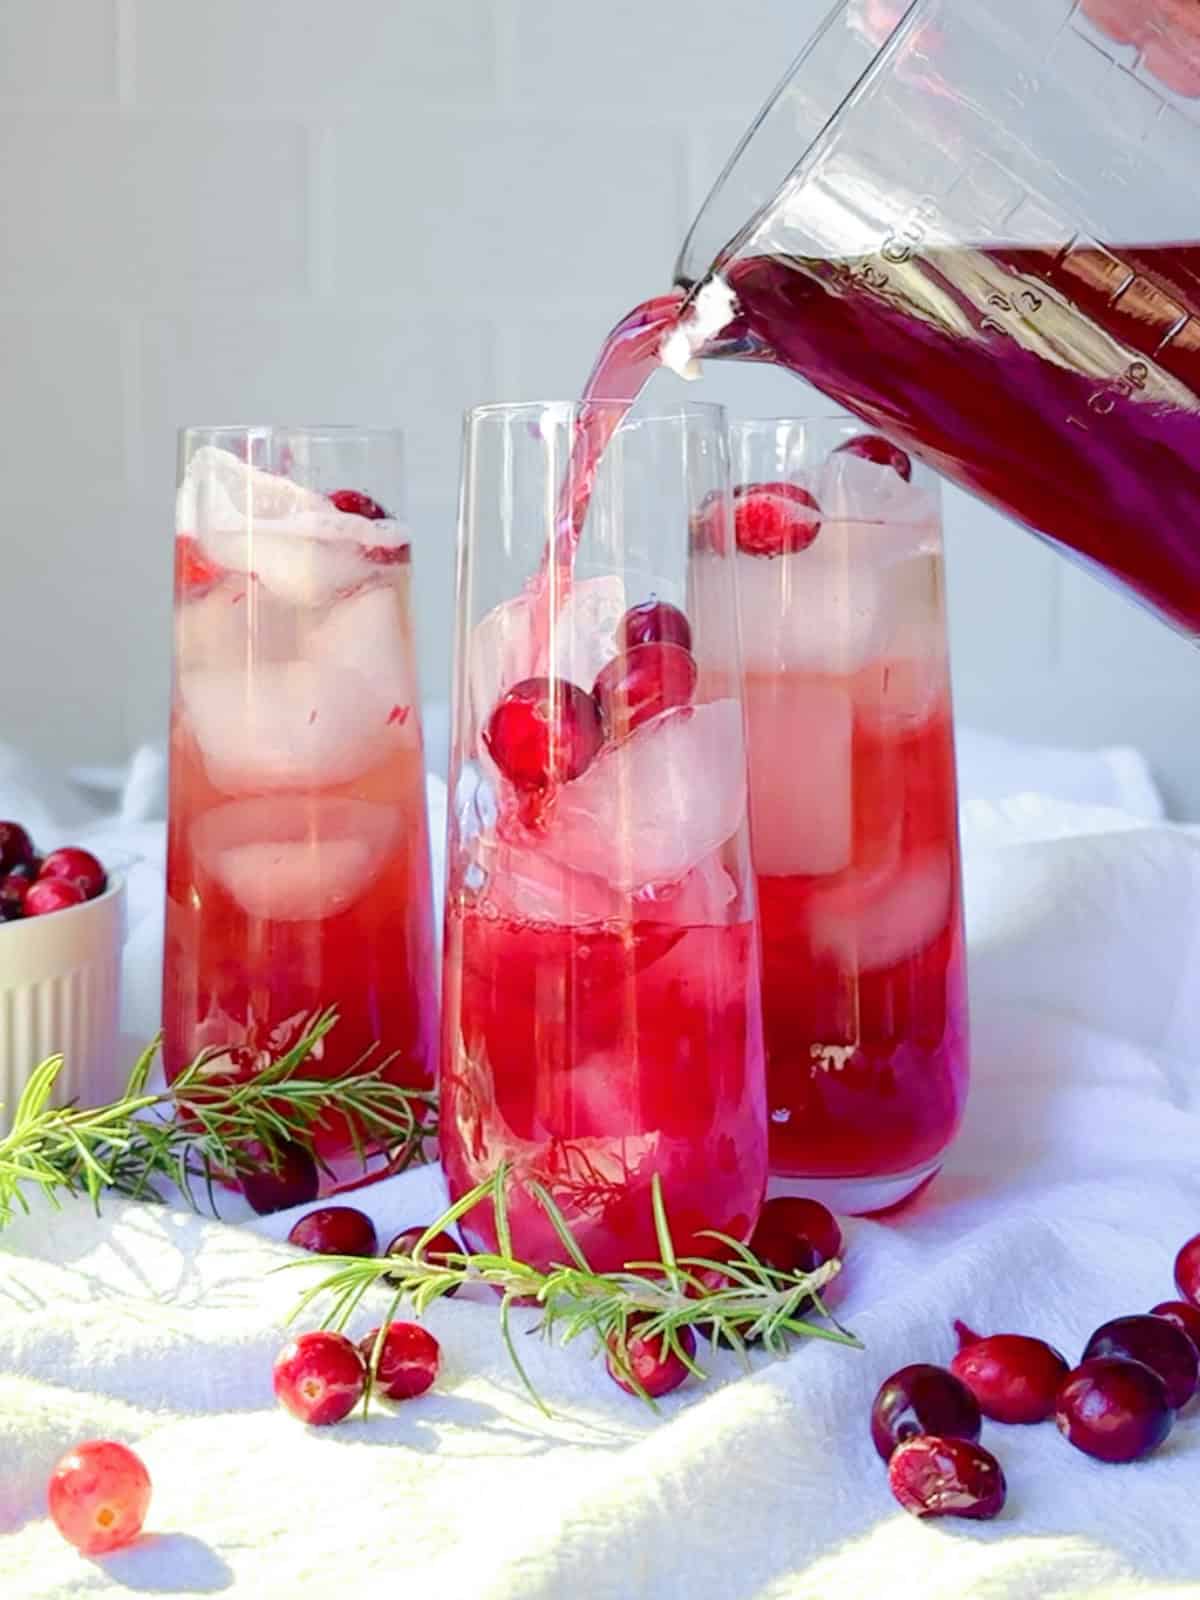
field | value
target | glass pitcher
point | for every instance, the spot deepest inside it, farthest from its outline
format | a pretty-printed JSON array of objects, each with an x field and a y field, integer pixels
[{"x": 976, "y": 227}]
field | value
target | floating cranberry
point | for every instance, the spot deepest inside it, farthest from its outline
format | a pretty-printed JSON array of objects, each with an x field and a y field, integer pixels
[
  {"x": 357, "y": 504},
  {"x": 656, "y": 1367},
  {"x": 873, "y": 447},
  {"x": 1185, "y": 1317},
  {"x": 1187, "y": 1271},
  {"x": 13, "y": 890},
  {"x": 946, "y": 1477},
  {"x": 408, "y": 1359},
  {"x": 98, "y": 1496},
  {"x": 654, "y": 622},
  {"x": 922, "y": 1399},
  {"x": 16, "y": 847},
  {"x": 774, "y": 519},
  {"x": 434, "y": 1252},
  {"x": 544, "y": 731},
  {"x": 1013, "y": 1377},
  {"x": 319, "y": 1377},
  {"x": 1157, "y": 1344},
  {"x": 1114, "y": 1409},
  {"x": 335, "y": 1231},
  {"x": 52, "y": 894},
  {"x": 641, "y": 683},
  {"x": 281, "y": 1179},
  {"x": 72, "y": 865}
]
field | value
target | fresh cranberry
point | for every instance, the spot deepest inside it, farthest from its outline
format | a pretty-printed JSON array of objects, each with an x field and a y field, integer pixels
[
  {"x": 52, "y": 894},
  {"x": 357, "y": 504},
  {"x": 922, "y": 1399},
  {"x": 656, "y": 1367},
  {"x": 654, "y": 622},
  {"x": 1114, "y": 1409},
  {"x": 641, "y": 683},
  {"x": 319, "y": 1377},
  {"x": 808, "y": 1222},
  {"x": 194, "y": 571},
  {"x": 1185, "y": 1317},
  {"x": 75, "y": 866},
  {"x": 1157, "y": 1344},
  {"x": 1013, "y": 1377},
  {"x": 434, "y": 1252},
  {"x": 774, "y": 519},
  {"x": 26, "y": 869},
  {"x": 13, "y": 890},
  {"x": 873, "y": 447},
  {"x": 281, "y": 1178},
  {"x": 1187, "y": 1271},
  {"x": 935, "y": 1477},
  {"x": 408, "y": 1359},
  {"x": 98, "y": 1496},
  {"x": 16, "y": 847},
  {"x": 544, "y": 731},
  {"x": 335, "y": 1231}
]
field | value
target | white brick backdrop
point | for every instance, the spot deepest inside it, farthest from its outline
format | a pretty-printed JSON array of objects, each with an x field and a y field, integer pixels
[{"x": 386, "y": 210}]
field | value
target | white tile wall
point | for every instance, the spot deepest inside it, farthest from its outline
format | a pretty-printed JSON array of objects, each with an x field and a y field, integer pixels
[{"x": 386, "y": 210}]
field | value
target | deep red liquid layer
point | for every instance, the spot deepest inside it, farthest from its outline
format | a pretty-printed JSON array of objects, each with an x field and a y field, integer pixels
[
  {"x": 1061, "y": 386},
  {"x": 590, "y": 1059},
  {"x": 867, "y": 1055}
]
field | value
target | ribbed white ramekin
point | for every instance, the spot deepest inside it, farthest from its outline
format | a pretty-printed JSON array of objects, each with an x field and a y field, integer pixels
[{"x": 60, "y": 985}]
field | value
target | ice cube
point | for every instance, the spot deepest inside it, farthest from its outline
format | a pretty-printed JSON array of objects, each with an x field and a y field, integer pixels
[
  {"x": 908, "y": 681},
  {"x": 367, "y": 634},
  {"x": 292, "y": 538},
  {"x": 702, "y": 898},
  {"x": 504, "y": 647},
  {"x": 874, "y": 917},
  {"x": 525, "y": 884},
  {"x": 293, "y": 724},
  {"x": 903, "y": 689},
  {"x": 238, "y": 621},
  {"x": 850, "y": 488},
  {"x": 815, "y": 610},
  {"x": 801, "y": 774},
  {"x": 292, "y": 860},
  {"x": 650, "y": 809}
]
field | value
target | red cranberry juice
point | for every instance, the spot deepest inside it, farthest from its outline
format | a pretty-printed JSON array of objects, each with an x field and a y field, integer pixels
[
  {"x": 593, "y": 1058},
  {"x": 1061, "y": 386}
]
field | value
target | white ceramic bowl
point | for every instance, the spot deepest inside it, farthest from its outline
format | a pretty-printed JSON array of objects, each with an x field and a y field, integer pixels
[{"x": 60, "y": 986}]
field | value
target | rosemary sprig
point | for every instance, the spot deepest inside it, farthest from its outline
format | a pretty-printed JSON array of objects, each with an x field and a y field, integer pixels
[
  {"x": 203, "y": 1125},
  {"x": 750, "y": 1302}
]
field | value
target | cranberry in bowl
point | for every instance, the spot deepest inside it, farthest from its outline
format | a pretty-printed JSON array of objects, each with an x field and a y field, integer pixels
[{"x": 60, "y": 969}]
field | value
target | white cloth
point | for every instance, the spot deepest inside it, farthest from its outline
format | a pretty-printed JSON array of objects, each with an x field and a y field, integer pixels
[{"x": 1062, "y": 1204}]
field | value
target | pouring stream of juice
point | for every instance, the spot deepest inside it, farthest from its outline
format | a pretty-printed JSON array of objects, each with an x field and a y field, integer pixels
[{"x": 1062, "y": 386}]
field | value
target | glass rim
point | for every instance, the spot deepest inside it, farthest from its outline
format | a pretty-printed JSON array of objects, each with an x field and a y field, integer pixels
[
  {"x": 307, "y": 430},
  {"x": 567, "y": 410}
]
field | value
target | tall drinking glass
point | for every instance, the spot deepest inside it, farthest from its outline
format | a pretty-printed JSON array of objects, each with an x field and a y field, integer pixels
[
  {"x": 298, "y": 856},
  {"x": 601, "y": 1021},
  {"x": 853, "y": 807}
]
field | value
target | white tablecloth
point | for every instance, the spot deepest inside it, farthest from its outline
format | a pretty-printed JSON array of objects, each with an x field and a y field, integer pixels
[{"x": 1074, "y": 1181}]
